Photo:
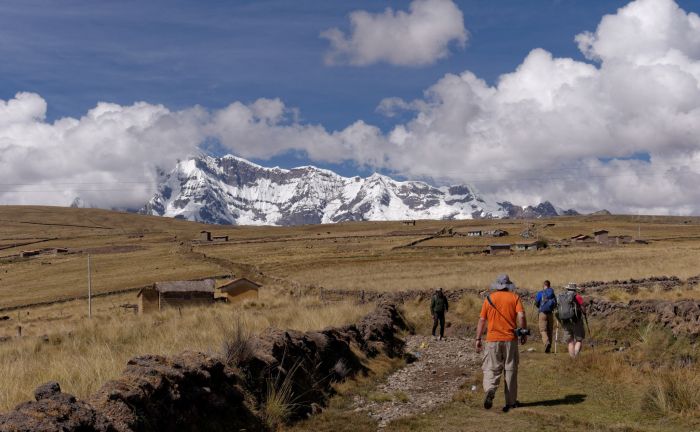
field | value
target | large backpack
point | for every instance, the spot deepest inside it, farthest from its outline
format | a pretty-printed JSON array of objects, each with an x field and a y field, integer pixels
[
  {"x": 548, "y": 301},
  {"x": 568, "y": 310}
]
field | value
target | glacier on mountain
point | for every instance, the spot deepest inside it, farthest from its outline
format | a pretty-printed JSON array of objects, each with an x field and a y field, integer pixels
[{"x": 232, "y": 190}]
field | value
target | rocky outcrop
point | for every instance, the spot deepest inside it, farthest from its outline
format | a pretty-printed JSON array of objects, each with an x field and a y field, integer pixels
[
  {"x": 193, "y": 391},
  {"x": 187, "y": 392},
  {"x": 54, "y": 411},
  {"x": 682, "y": 317},
  {"x": 314, "y": 360}
]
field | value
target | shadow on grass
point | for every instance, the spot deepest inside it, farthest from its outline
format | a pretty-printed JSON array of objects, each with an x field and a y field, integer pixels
[{"x": 571, "y": 399}]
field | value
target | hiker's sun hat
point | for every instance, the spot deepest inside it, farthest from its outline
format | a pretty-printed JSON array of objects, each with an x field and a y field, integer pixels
[
  {"x": 503, "y": 282},
  {"x": 571, "y": 286}
]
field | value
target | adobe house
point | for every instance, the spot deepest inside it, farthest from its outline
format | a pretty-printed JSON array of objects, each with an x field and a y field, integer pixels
[
  {"x": 175, "y": 294},
  {"x": 581, "y": 238},
  {"x": 499, "y": 248},
  {"x": 239, "y": 289},
  {"x": 205, "y": 236},
  {"x": 498, "y": 233},
  {"x": 601, "y": 236},
  {"x": 474, "y": 233},
  {"x": 527, "y": 246},
  {"x": 223, "y": 238}
]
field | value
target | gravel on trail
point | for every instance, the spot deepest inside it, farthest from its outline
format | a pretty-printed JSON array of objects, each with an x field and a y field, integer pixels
[{"x": 440, "y": 370}]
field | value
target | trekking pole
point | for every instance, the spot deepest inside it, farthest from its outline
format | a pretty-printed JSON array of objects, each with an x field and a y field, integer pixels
[
  {"x": 556, "y": 337},
  {"x": 590, "y": 335}
]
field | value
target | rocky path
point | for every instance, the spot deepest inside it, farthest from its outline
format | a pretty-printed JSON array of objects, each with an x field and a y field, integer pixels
[{"x": 440, "y": 370}]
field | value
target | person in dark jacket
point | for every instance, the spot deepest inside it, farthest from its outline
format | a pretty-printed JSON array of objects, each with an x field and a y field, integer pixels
[
  {"x": 438, "y": 307},
  {"x": 546, "y": 302}
]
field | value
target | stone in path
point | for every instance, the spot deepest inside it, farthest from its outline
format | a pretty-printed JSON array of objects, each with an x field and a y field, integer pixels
[{"x": 438, "y": 374}]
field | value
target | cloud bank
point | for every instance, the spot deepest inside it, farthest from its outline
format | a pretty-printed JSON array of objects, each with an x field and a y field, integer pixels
[
  {"x": 621, "y": 131},
  {"x": 111, "y": 157},
  {"x": 418, "y": 37}
]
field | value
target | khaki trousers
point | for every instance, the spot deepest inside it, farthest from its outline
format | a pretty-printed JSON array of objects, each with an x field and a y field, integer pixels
[
  {"x": 546, "y": 324},
  {"x": 499, "y": 357}
]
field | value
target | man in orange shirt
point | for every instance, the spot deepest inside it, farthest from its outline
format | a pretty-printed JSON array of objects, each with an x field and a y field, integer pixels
[{"x": 501, "y": 309}]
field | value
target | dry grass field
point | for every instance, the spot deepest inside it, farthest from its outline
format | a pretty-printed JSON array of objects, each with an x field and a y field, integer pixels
[{"x": 128, "y": 251}]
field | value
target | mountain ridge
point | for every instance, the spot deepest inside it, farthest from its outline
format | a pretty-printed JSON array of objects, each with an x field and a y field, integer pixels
[{"x": 233, "y": 190}]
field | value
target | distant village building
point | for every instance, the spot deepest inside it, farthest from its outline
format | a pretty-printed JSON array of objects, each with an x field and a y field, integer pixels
[
  {"x": 409, "y": 222},
  {"x": 29, "y": 253},
  {"x": 220, "y": 238},
  {"x": 205, "y": 236},
  {"x": 474, "y": 233},
  {"x": 175, "y": 294},
  {"x": 527, "y": 246},
  {"x": 497, "y": 233},
  {"x": 581, "y": 238},
  {"x": 499, "y": 248},
  {"x": 601, "y": 236},
  {"x": 623, "y": 239},
  {"x": 239, "y": 289}
]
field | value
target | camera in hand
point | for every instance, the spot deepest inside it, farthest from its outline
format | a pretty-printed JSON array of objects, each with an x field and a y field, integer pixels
[{"x": 520, "y": 332}]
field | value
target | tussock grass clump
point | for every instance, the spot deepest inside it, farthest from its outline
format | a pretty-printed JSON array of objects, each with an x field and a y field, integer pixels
[
  {"x": 673, "y": 392},
  {"x": 237, "y": 345},
  {"x": 279, "y": 402}
]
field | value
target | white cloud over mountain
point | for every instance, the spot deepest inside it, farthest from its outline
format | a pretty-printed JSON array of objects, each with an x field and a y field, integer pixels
[
  {"x": 418, "y": 37},
  {"x": 620, "y": 132}
]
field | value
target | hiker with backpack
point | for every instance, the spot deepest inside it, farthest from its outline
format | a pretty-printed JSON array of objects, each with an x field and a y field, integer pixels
[
  {"x": 546, "y": 302},
  {"x": 571, "y": 314},
  {"x": 438, "y": 306},
  {"x": 501, "y": 310}
]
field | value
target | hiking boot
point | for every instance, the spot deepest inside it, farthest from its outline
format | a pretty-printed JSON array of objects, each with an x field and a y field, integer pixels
[
  {"x": 488, "y": 400},
  {"x": 548, "y": 348},
  {"x": 441, "y": 338}
]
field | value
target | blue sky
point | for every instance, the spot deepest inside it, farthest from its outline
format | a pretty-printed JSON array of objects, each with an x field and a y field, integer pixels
[
  {"x": 594, "y": 116},
  {"x": 182, "y": 53}
]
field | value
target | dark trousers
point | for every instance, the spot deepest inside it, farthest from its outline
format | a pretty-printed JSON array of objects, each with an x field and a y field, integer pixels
[{"x": 439, "y": 317}]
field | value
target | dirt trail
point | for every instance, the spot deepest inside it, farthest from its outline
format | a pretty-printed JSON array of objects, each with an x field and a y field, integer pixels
[{"x": 441, "y": 368}]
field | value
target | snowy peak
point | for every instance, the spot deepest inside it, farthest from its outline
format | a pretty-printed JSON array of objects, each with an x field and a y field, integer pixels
[{"x": 232, "y": 190}]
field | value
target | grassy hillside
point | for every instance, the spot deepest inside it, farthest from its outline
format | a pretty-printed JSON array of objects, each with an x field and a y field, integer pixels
[{"x": 128, "y": 251}]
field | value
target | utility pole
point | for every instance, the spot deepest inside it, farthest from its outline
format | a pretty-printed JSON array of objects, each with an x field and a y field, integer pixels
[{"x": 89, "y": 288}]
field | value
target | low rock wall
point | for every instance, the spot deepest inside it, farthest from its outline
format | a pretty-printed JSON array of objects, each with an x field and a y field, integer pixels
[{"x": 194, "y": 391}]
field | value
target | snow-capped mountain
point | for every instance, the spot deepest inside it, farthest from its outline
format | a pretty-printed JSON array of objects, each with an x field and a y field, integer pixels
[{"x": 231, "y": 190}]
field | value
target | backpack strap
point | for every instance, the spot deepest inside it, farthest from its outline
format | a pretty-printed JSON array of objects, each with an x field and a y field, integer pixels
[{"x": 488, "y": 298}]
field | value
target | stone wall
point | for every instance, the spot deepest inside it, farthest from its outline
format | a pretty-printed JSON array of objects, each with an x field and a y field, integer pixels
[{"x": 193, "y": 391}]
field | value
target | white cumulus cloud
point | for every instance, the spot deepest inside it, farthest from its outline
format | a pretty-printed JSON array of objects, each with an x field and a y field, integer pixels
[
  {"x": 111, "y": 156},
  {"x": 418, "y": 37},
  {"x": 573, "y": 132}
]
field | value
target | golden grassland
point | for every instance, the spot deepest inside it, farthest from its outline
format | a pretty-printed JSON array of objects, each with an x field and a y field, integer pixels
[
  {"x": 83, "y": 355},
  {"x": 129, "y": 250}
]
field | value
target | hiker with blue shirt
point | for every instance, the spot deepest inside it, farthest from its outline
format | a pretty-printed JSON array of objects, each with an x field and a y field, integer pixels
[{"x": 546, "y": 302}]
